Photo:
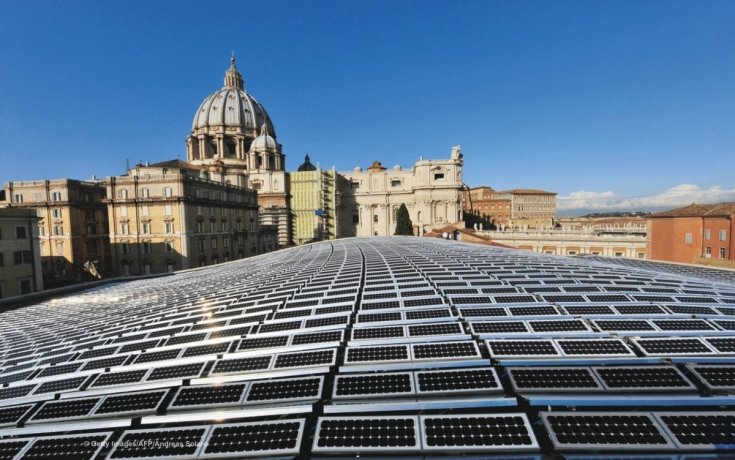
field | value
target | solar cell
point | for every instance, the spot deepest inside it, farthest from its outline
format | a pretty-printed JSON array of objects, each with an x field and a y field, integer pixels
[
  {"x": 72, "y": 408},
  {"x": 717, "y": 377},
  {"x": 522, "y": 348},
  {"x": 457, "y": 381},
  {"x": 672, "y": 346},
  {"x": 556, "y": 379},
  {"x": 285, "y": 390},
  {"x": 254, "y": 439},
  {"x": 700, "y": 430},
  {"x": 484, "y": 432},
  {"x": 119, "y": 378},
  {"x": 376, "y": 384},
  {"x": 183, "y": 442},
  {"x": 263, "y": 342},
  {"x": 234, "y": 366},
  {"x": 176, "y": 372},
  {"x": 12, "y": 415},
  {"x": 445, "y": 350},
  {"x": 81, "y": 446},
  {"x": 594, "y": 347},
  {"x": 604, "y": 431},
  {"x": 377, "y": 354},
  {"x": 210, "y": 396},
  {"x": 137, "y": 403},
  {"x": 643, "y": 378},
  {"x": 373, "y": 434},
  {"x": 10, "y": 449}
]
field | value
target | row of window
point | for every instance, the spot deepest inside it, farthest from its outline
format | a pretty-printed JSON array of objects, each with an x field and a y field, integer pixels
[
  {"x": 145, "y": 247},
  {"x": 144, "y": 193},
  {"x": 21, "y": 233},
  {"x": 213, "y": 243},
  {"x": 708, "y": 252},
  {"x": 19, "y": 258},
  {"x": 145, "y": 228},
  {"x": 24, "y": 287},
  {"x": 146, "y": 210},
  {"x": 708, "y": 234}
]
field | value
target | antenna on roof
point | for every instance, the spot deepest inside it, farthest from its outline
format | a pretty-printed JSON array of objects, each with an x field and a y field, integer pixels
[{"x": 127, "y": 165}]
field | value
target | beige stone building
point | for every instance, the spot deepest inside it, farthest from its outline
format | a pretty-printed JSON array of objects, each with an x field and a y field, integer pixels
[
  {"x": 629, "y": 244},
  {"x": 431, "y": 190},
  {"x": 170, "y": 216},
  {"x": 233, "y": 136},
  {"x": 73, "y": 229},
  {"x": 529, "y": 208},
  {"x": 314, "y": 203},
  {"x": 20, "y": 258}
]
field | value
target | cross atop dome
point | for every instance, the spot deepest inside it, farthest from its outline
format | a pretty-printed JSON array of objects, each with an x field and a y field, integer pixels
[{"x": 233, "y": 77}]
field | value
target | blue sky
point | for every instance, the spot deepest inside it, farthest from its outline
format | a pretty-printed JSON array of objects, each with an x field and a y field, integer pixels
[{"x": 617, "y": 104}]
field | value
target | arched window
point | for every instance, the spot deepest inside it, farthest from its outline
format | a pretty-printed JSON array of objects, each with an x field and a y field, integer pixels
[{"x": 375, "y": 218}]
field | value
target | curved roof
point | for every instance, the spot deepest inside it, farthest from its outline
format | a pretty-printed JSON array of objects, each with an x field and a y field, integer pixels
[
  {"x": 306, "y": 165},
  {"x": 382, "y": 346},
  {"x": 232, "y": 106}
]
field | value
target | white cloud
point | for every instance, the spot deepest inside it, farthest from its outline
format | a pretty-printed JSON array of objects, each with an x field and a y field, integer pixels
[{"x": 680, "y": 195}]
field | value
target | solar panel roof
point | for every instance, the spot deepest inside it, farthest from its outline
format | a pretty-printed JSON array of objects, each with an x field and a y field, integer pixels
[{"x": 399, "y": 347}]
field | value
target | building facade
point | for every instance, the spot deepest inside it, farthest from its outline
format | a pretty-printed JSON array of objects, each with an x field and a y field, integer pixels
[
  {"x": 314, "y": 203},
  {"x": 529, "y": 208},
  {"x": 698, "y": 233},
  {"x": 20, "y": 253},
  {"x": 431, "y": 190},
  {"x": 631, "y": 245},
  {"x": 482, "y": 208},
  {"x": 170, "y": 216},
  {"x": 233, "y": 137},
  {"x": 73, "y": 226}
]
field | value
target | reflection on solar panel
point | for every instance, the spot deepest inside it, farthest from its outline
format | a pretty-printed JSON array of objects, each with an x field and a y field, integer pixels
[{"x": 375, "y": 347}]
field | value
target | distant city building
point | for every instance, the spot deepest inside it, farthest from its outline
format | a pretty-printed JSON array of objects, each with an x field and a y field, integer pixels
[
  {"x": 169, "y": 216},
  {"x": 233, "y": 137},
  {"x": 529, "y": 208},
  {"x": 73, "y": 228},
  {"x": 20, "y": 258},
  {"x": 516, "y": 208},
  {"x": 698, "y": 233},
  {"x": 481, "y": 207},
  {"x": 431, "y": 190},
  {"x": 314, "y": 203},
  {"x": 631, "y": 244}
]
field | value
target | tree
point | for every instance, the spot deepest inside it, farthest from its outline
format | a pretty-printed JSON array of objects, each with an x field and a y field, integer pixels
[{"x": 404, "y": 226}]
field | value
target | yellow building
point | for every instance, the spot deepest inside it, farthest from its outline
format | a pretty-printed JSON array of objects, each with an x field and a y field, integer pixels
[
  {"x": 72, "y": 227},
  {"x": 170, "y": 216},
  {"x": 313, "y": 199},
  {"x": 20, "y": 260}
]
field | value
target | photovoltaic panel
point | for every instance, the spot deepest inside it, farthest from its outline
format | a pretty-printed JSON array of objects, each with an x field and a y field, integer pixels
[
  {"x": 66, "y": 409},
  {"x": 379, "y": 354},
  {"x": 80, "y": 446},
  {"x": 12, "y": 415},
  {"x": 445, "y": 350},
  {"x": 284, "y": 390},
  {"x": 604, "y": 431},
  {"x": 10, "y": 449},
  {"x": 305, "y": 359},
  {"x": 372, "y": 333},
  {"x": 368, "y": 434},
  {"x": 371, "y": 385},
  {"x": 692, "y": 346},
  {"x": 209, "y": 396},
  {"x": 522, "y": 348},
  {"x": 152, "y": 356},
  {"x": 553, "y": 379},
  {"x": 594, "y": 347},
  {"x": 643, "y": 378},
  {"x": 176, "y": 372},
  {"x": 235, "y": 366},
  {"x": 181, "y": 442},
  {"x": 119, "y": 378},
  {"x": 263, "y": 342},
  {"x": 724, "y": 345},
  {"x": 137, "y": 403},
  {"x": 700, "y": 430},
  {"x": 499, "y": 327},
  {"x": 480, "y": 380},
  {"x": 717, "y": 377},
  {"x": 478, "y": 432},
  {"x": 254, "y": 439},
  {"x": 60, "y": 385}
]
